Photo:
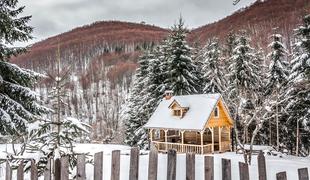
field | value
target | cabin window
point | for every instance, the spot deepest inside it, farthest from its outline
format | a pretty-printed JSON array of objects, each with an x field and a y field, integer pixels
[
  {"x": 177, "y": 112},
  {"x": 157, "y": 134},
  {"x": 216, "y": 112}
]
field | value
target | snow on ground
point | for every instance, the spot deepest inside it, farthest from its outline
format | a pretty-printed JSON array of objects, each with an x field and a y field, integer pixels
[{"x": 274, "y": 163}]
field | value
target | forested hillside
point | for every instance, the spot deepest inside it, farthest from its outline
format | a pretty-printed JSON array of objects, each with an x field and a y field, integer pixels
[{"x": 102, "y": 57}]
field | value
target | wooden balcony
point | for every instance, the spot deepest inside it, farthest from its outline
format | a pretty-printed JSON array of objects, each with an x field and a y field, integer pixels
[{"x": 190, "y": 148}]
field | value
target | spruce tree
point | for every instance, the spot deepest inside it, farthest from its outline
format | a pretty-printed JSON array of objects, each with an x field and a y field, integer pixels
[
  {"x": 135, "y": 117},
  {"x": 213, "y": 75},
  {"x": 20, "y": 106},
  {"x": 276, "y": 79},
  {"x": 298, "y": 94},
  {"x": 181, "y": 78}
]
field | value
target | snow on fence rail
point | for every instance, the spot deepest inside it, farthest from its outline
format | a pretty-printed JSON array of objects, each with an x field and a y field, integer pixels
[{"x": 61, "y": 168}]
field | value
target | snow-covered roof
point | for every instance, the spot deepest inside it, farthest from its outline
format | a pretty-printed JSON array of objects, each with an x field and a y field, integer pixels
[{"x": 200, "y": 108}]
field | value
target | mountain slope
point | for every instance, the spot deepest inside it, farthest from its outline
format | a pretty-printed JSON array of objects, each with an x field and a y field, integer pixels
[{"x": 259, "y": 20}]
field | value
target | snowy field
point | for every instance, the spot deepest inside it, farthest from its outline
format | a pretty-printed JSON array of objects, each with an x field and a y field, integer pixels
[{"x": 274, "y": 163}]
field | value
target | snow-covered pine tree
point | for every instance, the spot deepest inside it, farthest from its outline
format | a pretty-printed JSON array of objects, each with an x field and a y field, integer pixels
[
  {"x": 277, "y": 77},
  {"x": 244, "y": 89},
  {"x": 55, "y": 138},
  {"x": 213, "y": 76},
  {"x": 20, "y": 106},
  {"x": 181, "y": 76},
  {"x": 135, "y": 116},
  {"x": 297, "y": 97}
]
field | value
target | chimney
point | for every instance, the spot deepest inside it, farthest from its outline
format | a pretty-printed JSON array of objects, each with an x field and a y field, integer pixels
[{"x": 168, "y": 94}]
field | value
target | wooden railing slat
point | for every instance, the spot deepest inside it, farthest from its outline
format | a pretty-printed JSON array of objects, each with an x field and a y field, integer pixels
[
  {"x": 8, "y": 171},
  {"x": 190, "y": 166},
  {"x": 20, "y": 171},
  {"x": 209, "y": 167},
  {"x": 80, "y": 170},
  {"x": 281, "y": 176},
  {"x": 262, "y": 175},
  {"x": 171, "y": 164},
  {"x": 153, "y": 165},
  {"x": 48, "y": 169},
  {"x": 34, "y": 171},
  {"x": 98, "y": 165},
  {"x": 226, "y": 169},
  {"x": 134, "y": 164},
  {"x": 243, "y": 171},
  {"x": 115, "y": 167},
  {"x": 303, "y": 174}
]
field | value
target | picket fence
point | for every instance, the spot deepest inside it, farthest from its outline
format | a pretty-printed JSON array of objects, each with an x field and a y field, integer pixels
[{"x": 61, "y": 168}]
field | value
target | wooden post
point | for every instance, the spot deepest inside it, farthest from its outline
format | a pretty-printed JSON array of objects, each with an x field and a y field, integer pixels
[
  {"x": 209, "y": 168},
  {"x": 115, "y": 168},
  {"x": 57, "y": 169},
  {"x": 303, "y": 174},
  {"x": 166, "y": 139},
  {"x": 34, "y": 171},
  {"x": 201, "y": 141},
  {"x": 151, "y": 135},
  {"x": 220, "y": 139},
  {"x": 262, "y": 175},
  {"x": 65, "y": 168},
  {"x": 153, "y": 165},
  {"x": 281, "y": 176},
  {"x": 20, "y": 171},
  {"x": 229, "y": 136},
  {"x": 226, "y": 169},
  {"x": 182, "y": 140},
  {"x": 190, "y": 166},
  {"x": 47, "y": 170},
  {"x": 98, "y": 166},
  {"x": 243, "y": 171},
  {"x": 212, "y": 135},
  {"x": 80, "y": 170},
  {"x": 134, "y": 164},
  {"x": 171, "y": 164},
  {"x": 8, "y": 171}
]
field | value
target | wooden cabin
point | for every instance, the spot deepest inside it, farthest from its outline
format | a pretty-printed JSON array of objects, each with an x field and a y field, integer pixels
[{"x": 197, "y": 124}]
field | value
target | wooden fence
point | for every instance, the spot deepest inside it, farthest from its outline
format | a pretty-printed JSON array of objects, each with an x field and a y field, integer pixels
[{"x": 61, "y": 167}]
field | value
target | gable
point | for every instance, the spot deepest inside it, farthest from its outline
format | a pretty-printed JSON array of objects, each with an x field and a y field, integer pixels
[{"x": 223, "y": 119}]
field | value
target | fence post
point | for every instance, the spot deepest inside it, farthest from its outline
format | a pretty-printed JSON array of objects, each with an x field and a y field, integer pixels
[
  {"x": 226, "y": 169},
  {"x": 98, "y": 165},
  {"x": 153, "y": 165},
  {"x": 243, "y": 171},
  {"x": 65, "y": 168},
  {"x": 34, "y": 171},
  {"x": 57, "y": 169},
  {"x": 47, "y": 170},
  {"x": 303, "y": 174},
  {"x": 134, "y": 164},
  {"x": 171, "y": 164},
  {"x": 80, "y": 170},
  {"x": 209, "y": 168},
  {"x": 190, "y": 166},
  {"x": 262, "y": 175},
  {"x": 281, "y": 176},
  {"x": 115, "y": 168},
  {"x": 8, "y": 171},
  {"x": 20, "y": 171}
]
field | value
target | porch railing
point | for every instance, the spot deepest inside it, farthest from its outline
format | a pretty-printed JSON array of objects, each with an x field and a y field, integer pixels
[{"x": 183, "y": 148}]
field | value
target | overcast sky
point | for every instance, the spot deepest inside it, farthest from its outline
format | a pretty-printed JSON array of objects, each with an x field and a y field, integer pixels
[{"x": 51, "y": 17}]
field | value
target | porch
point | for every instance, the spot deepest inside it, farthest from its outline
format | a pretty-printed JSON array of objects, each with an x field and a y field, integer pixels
[{"x": 210, "y": 140}]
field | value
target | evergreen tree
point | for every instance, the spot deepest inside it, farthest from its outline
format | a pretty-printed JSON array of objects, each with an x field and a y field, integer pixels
[
  {"x": 20, "y": 106},
  {"x": 244, "y": 84},
  {"x": 135, "y": 116},
  {"x": 181, "y": 78},
  {"x": 55, "y": 138},
  {"x": 298, "y": 95},
  {"x": 276, "y": 79},
  {"x": 213, "y": 73}
]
